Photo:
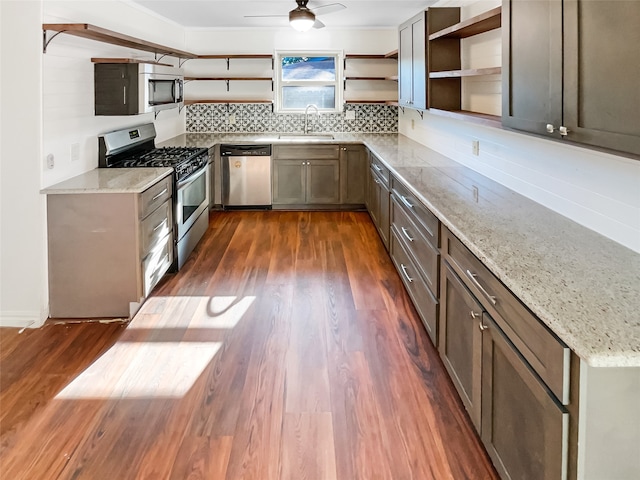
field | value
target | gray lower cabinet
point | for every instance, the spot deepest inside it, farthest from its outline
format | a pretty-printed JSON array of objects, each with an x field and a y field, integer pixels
[
  {"x": 460, "y": 341},
  {"x": 379, "y": 197},
  {"x": 306, "y": 175},
  {"x": 107, "y": 250},
  {"x": 301, "y": 182},
  {"x": 512, "y": 374},
  {"x": 524, "y": 428},
  {"x": 353, "y": 174}
]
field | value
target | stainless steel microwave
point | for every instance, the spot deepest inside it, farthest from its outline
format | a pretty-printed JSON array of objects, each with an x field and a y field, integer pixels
[{"x": 136, "y": 88}]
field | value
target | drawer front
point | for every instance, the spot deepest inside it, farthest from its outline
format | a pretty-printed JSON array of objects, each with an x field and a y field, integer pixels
[
  {"x": 547, "y": 355},
  {"x": 156, "y": 264},
  {"x": 155, "y": 196},
  {"x": 155, "y": 227},
  {"x": 306, "y": 152},
  {"x": 418, "y": 212},
  {"x": 378, "y": 167},
  {"x": 426, "y": 257},
  {"x": 424, "y": 301}
]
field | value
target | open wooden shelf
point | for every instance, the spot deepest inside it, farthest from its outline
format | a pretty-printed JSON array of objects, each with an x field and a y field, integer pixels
[
  {"x": 473, "y": 72},
  {"x": 126, "y": 60},
  {"x": 243, "y": 55},
  {"x": 393, "y": 78},
  {"x": 91, "y": 32},
  {"x": 269, "y": 79},
  {"x": 372, "y": 102},
  {"x": 370, "y": 56},
  {"x": 191, "y": 102},
  {"x": 482, "y": 23}
]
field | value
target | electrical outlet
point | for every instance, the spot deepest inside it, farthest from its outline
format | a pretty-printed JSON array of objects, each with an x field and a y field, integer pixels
[
  {"x": 475, "y": 147},
  {"x": 350, "y": 115},
  {"x": 232, "y": 119},
  {"x": 413, "y": 123},
  {"x": 475, "y": 193},
  {"x": 50, "y": 161},
  {"x": 75, "y": 152}
]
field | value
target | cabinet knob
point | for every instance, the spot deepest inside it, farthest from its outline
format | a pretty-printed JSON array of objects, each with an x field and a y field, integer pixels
[
  {"x": 550, "y": 128},
  {"x": 564, "y": 131}
]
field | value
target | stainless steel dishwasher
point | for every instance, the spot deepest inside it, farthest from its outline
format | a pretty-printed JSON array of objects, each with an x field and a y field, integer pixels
[{"x": 246, "y": 176}]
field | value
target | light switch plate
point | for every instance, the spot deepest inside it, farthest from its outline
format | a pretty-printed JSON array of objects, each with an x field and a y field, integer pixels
[{"x": 350, "y": 115}]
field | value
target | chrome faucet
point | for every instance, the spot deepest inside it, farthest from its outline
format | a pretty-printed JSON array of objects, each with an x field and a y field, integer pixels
[{"x": 306, "y": 117}]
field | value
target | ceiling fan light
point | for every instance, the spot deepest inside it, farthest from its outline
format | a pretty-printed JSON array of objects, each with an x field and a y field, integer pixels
[{"x": 301, "y": 19}]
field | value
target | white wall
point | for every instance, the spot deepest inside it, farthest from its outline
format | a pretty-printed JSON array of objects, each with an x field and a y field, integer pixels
[
  {"x": 47, "y": 107},
  {"x": 598, "y": 190},
  {"x": 22, "y": 236}
]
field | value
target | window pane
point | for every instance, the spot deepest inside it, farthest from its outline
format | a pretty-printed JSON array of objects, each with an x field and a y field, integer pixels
[
  {"x": 300, "y": 97},
  {"x": 309, "y": 68}
]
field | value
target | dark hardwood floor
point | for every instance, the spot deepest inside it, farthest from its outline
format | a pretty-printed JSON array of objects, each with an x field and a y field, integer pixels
[{"x": 285, "y": 349}]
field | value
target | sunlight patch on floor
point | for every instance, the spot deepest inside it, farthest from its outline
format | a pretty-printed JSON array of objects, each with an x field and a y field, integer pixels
[{"x": 148, "y": 370}]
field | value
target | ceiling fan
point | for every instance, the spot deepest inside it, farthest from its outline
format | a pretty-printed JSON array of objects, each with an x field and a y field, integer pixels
[{"x": 302, "y": 18}]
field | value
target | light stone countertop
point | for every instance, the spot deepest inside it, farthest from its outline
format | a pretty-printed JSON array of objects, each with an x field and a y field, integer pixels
[
  {"x": 583, "y": 286},
  {"x": 110, "y": 180}
]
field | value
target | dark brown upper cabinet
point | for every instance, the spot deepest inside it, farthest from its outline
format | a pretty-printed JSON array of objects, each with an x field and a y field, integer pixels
[
  {"x": 412, "y": 63},
  {"x": 571, "y": 70}
]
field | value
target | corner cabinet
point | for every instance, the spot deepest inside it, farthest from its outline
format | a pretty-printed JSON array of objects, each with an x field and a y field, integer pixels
[
  {"x": 353, "y": 175},
  {"x": 571, "y": 71}
]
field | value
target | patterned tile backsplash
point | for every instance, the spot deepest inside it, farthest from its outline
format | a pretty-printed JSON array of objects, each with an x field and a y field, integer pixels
[{"x": 258, "y": 117}]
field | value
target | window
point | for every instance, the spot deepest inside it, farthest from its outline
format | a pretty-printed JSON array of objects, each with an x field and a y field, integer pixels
[{"x": 308, "y": 78}]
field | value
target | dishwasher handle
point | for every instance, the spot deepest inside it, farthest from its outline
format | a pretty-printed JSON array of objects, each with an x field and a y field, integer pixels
[{"x": 245, "y": 150}]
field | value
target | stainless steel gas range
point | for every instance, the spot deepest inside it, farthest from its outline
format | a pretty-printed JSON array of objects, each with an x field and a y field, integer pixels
[{"x": 135, "y": 147}]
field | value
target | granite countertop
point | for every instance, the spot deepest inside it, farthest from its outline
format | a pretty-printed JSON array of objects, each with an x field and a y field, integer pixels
[
  {"x": 583, "y": 286},
  {"x": 110, "y": 180}
]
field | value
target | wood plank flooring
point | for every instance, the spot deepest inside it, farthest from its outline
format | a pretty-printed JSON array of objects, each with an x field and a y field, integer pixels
[{"x": 286, "y": 348}]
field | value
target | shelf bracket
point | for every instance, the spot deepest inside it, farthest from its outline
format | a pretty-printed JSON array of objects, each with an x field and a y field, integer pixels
[
  {"x": 273, "y": 63},
  {"x": 401, "y": 107},
  {"x": 228, "y": 62},
  {"x": 420, "y": 112},
  {"x": 227, "y": 82},
  {"x": 181, "y": 61},
  {"x": 46, "y": 41},
  {"x": 155, "y": 55},
  {"x": 155, "y": 114}
]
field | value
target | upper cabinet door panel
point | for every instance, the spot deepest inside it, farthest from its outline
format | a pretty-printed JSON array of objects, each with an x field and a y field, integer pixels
[
  {"x": 602, "y": 73},
  {"x": 419, "y": 64},
  {"x": 532, "y": 64},
  {"x": 405, "y": 65}
]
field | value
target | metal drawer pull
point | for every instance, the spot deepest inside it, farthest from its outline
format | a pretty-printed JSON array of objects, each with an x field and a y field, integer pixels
[
  {"x": 159, "y": 195},
  {"x": 404, "y": 270},
  {"x": 475, "y": 315},
  {"x": 377, "y": 167},
  {"x": 157, "y": 227},
  {"x": 406, "y": 234},
  {"x": 473, "y": 276},
  {"x": 483, "y": 327},
  {"x": 406, "y": 202},
  {"x": 377, "y": 181}
]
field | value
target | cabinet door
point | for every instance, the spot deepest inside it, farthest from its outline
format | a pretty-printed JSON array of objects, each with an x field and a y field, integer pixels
[
  {"x": 523, "y": 428},
  {"x": 373, "y": 198},
  {"x": 460, "y": 341},
  {"x": 323, "y": 182},
  {"x": 532, "y": 64},
  {"x": 602, "y": 73},
  {"x": 353, "y": 174},
  {"x": 384, "y": 212},
  {"x": 419, "y": 43},
  {"x": 289, "y": 182},
  {"x": 405, "y": 65}
]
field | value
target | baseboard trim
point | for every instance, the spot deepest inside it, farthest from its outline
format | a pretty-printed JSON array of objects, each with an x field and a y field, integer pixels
[{"x": 22, "y": 319}]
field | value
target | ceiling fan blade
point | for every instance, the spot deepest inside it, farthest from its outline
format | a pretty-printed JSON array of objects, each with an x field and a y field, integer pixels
[
  {"x": 326, "y": 9},
  {"x": 318, "y": 24}
]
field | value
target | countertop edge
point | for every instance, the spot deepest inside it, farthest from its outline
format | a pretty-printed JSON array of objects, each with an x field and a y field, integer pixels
[{"x": 138, "y": 188}]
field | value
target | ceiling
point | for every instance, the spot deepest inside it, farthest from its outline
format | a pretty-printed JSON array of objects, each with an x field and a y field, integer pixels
[{"x": 230, "y": 13}]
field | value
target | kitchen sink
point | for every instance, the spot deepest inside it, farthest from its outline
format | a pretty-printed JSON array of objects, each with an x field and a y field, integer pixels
[{"x": 308, "y": 136}]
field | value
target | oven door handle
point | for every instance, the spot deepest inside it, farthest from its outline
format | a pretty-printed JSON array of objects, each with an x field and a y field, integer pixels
[{"x": 194, "y": 176}]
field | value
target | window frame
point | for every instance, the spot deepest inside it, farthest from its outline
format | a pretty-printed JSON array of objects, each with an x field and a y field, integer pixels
[{"x": 279, "y": 83}]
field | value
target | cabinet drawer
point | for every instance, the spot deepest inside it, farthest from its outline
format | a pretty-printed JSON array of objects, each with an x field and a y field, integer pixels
[
  {"x": 306, "y": 152},
  {"x": 155, "y": 196},
  {"x": 547, "y": 355},
  {"x": 156, "y": 263},
  {"x": 378, "y": 167},
  {"x": 420, "y": 214},
  {"x": 424, "y": 301},
  {"x": 156, "y": 226},
  {"x": 426, "y": 257}
]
